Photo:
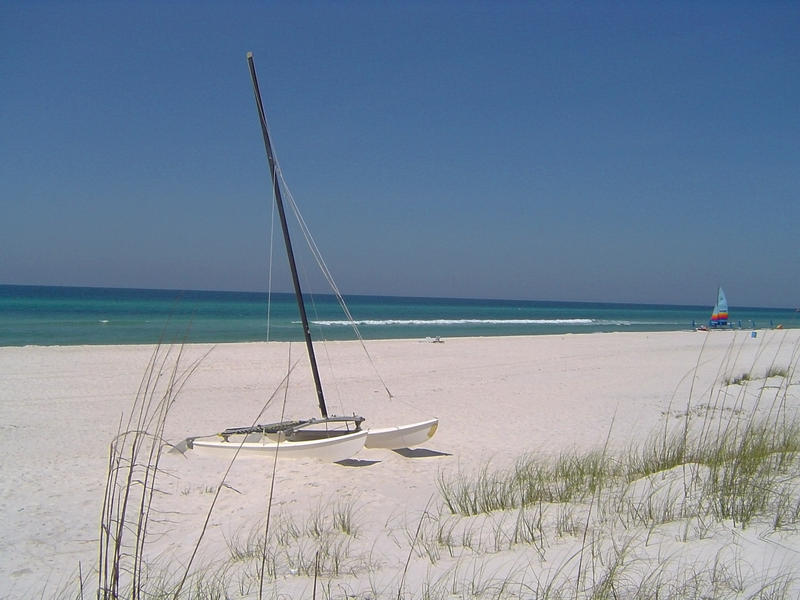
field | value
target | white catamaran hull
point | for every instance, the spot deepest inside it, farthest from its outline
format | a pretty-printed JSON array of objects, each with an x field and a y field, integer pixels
[
  {"x": 329, "y": 449},
  {"x": 402, "y": 436}
]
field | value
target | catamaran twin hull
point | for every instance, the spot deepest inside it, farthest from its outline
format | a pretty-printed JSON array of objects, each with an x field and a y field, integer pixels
[
  {"x": 330, "y": 449},
  {"x": 402, "y": 436},
  {"x": 335, "y": 448}
]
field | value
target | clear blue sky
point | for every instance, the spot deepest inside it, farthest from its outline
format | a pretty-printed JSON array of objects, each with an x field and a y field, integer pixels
[{"x": 628, "y": 152}]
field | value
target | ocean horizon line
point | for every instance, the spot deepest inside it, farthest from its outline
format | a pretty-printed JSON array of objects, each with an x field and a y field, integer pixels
[{"x": 594, "y": 303}]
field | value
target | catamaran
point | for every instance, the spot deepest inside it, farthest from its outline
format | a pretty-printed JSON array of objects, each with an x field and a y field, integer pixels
[
  {"x": 719, "y": 316},
  {"x": 327, "y": 437}
]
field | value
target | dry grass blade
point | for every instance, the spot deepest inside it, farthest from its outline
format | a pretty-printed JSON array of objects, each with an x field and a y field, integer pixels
[
  {"x": 133, "y": 466},
  {"x": 218, "y": 490}
]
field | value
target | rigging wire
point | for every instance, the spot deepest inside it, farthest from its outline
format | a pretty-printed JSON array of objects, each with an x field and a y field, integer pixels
[
  {"x": 330, "y": 363},
  {"x": 312, "y": 245},
  {"x": 279, "y": 175},
  {"x": 271, "y": 247},
  {"x": 321, "y": 334},
  {"x": 269, "y": 266},
  {"x": 329, "y": 276}
]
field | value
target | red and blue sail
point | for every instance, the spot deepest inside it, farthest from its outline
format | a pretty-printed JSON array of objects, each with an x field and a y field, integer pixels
[{"x": 719, "y": 316}]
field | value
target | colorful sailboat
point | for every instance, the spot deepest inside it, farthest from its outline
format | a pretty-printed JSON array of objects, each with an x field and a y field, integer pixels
[{"x": 719, "y": 316}]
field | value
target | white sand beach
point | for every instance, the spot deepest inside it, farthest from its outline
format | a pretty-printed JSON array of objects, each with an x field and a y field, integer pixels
[{"x": 497, "y": 399}]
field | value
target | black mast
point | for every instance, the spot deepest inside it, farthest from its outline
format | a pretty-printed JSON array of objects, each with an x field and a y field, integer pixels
[{"x": 287, "y": 240}]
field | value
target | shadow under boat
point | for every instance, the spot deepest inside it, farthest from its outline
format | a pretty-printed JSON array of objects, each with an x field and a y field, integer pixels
[
  {"x": 357, "y": 462},
  {"x": 419, "y": 452}
]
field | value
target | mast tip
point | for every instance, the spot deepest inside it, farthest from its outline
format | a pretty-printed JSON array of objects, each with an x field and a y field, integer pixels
[{"x": 249, "y": 55}]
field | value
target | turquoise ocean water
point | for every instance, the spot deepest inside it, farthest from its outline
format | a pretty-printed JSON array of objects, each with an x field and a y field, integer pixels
[{"x": 38, "y": 315}]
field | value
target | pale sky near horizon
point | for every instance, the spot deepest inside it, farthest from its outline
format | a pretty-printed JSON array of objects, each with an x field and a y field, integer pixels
[{"x": 620, "y": 152}]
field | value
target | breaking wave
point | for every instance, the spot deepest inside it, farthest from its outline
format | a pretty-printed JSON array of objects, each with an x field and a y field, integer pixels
[{"x": 446, "y": 322}]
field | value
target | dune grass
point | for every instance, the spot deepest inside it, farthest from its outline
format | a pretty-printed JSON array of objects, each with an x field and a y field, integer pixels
[
  {"x": 133, "y": 465},
  {"x": 588, "y": 525}
]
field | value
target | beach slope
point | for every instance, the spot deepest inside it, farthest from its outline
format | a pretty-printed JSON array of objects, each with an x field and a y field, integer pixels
[{"x": 380, "y": 521}]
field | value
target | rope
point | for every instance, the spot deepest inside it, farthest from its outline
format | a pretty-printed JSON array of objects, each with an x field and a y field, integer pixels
[
  {"x": 329, "y": 277},
  {"x": 269, "y": 267},
  {"x": 312, "y": 245},
  {"x": 279, "y": 175}
]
